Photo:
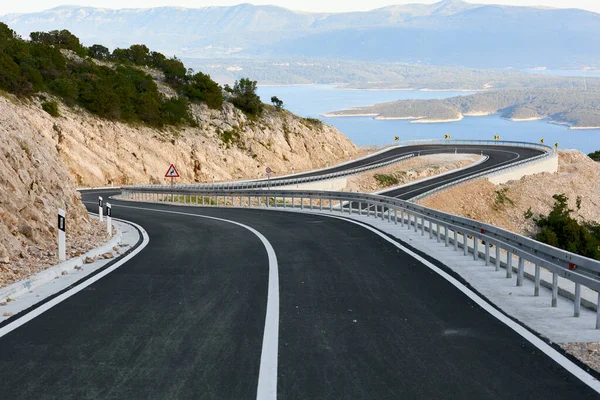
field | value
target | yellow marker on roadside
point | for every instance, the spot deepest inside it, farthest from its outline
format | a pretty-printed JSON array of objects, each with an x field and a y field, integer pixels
[
  {"x": 556, "y": 145},
  {"x": 496, "y": 137},
  {"x": 396, "y": 138},
  {"x": 541, "y": 140},
  {"x": 446, "y": 136}
]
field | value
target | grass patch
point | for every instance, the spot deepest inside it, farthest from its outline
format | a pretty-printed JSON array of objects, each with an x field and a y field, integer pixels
[
  {"x": 51, "y": 107},
  {"x": 502, "y": 199},
  {"x": 386, "y": 179}
]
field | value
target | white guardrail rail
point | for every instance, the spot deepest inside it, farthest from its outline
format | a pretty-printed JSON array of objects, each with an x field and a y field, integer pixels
[
  {"x": 451, "y": 144},
  {"x": 578, "y": 269}
]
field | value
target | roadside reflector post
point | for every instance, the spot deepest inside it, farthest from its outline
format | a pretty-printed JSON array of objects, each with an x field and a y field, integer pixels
[
  {"x": 108, "y": 219},
  {"x": 62, "y": 245},
  {"x": 100, "y": 209}
]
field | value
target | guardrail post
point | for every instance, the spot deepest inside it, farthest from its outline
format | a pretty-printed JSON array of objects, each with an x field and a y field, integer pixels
[
  {"x": 577, "y": 310},
  {"x": 598, "y": 312},
  {"x": 202, "y": 200},
  {"x": 301, "y": 203},
  {"x": 231, "y": 200},
  {"x": 382, "y": 212},
  {"x": 310, "y": 200},
  {"x": 283, "y": 201},
  {"x": 320, "y": 204},
  {"x": 430, "y": 229},
  {"x": 475, "y": 248},
  {"x": 416, "y": 226},
  {"x": 508, "y": 264},
  {"x": 554, "y": 289},
  {"x": 402, "y": 218},
  {"x": 423, "y": 226},
  {"x": 330, "y": 205},
  {"x": 465, "y": 244},
  {"x": 455, "y": 240},
  {"x": 487, "y": 253},
  {"x": 536, "y": 290},
  {"x": 446, "y": 237},
  {"x": 520, "y": 271},
  {"x": 62, "y": 228},
  {"x": 395, "y": 217},
  {"x": 217, "y": 201},
  {"x": 267, "y": 201},
  {"x": 497, "y": 260},
  {"x": 360, "y": 208}
]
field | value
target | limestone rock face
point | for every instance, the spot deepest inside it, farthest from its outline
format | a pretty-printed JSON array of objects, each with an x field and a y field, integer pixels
[
  {"x": 34, "y": 184},
  {"x": 43, "y": 159},
  {"x": 226, "y": 144}
]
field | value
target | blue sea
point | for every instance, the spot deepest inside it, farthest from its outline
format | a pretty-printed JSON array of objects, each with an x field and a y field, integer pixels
[{"x": 314, "y": 100}]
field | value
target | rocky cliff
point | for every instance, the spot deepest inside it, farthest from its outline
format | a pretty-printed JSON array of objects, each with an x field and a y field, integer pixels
[
  {"x": 225, "y": 145},
  {"x": 43, "y": 159}
]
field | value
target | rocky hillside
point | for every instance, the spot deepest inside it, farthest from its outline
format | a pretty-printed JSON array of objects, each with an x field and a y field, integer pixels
[
  {"x": 34, "y": 183},
  {"x": 226, "y": 144},
  {"x": 505, "y": 205},
  {"x": 43, "y": 159}
]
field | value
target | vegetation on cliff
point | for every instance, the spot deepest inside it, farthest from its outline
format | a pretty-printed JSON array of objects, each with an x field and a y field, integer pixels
[
  {"x": 116, "y": 85},
  {"x": 560, "y": 229}
]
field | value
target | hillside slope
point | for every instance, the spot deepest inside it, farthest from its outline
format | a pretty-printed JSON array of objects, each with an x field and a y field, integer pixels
[
  {"x": 226, "y": 145},
  {"x": 505, "y": 205}
]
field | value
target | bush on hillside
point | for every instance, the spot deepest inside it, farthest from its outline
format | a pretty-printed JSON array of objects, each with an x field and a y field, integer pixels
[
  {"x": 51, "y": 107},
  {"x": 560, "y": 229},
  {"x": 245, "y": 97}
]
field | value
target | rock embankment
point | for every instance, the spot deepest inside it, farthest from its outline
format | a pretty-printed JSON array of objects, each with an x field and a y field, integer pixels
[
  {"x": 44, "y": 158},
  {"x": 225, "y": 145},
  {"x": 505, "y": 205},
  {"x": 34, "y": 185}
]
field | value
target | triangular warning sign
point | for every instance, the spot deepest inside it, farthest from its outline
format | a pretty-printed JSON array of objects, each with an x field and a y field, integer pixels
[{"x": 172, "y": 172}]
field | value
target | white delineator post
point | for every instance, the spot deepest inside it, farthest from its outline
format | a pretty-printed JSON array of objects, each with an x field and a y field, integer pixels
[
  {"x": 108, "y": 218},
  {"x": 100, "y": 209},
  {"x": 62, "y": 251}
]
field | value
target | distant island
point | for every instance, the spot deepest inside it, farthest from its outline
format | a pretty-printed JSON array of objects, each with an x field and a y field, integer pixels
[{"x": 577, "y": 108}]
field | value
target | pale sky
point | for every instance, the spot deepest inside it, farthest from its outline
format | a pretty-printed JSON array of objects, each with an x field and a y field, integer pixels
[{"x": 26, "y": 6}]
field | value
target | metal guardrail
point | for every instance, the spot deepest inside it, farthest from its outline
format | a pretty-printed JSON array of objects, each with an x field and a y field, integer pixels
[
  {"x": 275, "y": 182},
  {"x": 578, "y": 269}
]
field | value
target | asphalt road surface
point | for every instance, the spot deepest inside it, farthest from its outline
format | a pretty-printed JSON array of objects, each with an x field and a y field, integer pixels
[
  {"x": 498, "y": 156},
  {"x": 184, "y": 319}
]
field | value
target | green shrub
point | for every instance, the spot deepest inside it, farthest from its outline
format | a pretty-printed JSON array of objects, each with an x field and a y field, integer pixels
[
  {"x": 561, "y": 230},
  {"x": 386, "y": 180},
  {"x": 595, "y": 155},
  {"x": 51, "y": 107}
]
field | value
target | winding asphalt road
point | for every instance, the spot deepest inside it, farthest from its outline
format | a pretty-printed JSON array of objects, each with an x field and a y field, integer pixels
[
  {"x": 498, "y": 156},
  {"x": 185, "y": 319}
]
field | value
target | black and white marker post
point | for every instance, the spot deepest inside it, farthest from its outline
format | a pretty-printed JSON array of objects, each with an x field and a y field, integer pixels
[
  {"x": 100, "y": 209},
  {"x": 62, "y": 252},
  {"x": 108, "y": 218}
]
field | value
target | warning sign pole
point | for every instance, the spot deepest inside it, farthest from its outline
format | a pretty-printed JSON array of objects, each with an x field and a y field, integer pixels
[{"x": 172, "y": 173}]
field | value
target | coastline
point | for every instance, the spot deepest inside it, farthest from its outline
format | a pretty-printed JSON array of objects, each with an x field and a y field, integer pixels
[{"x": 437, "y": 121}]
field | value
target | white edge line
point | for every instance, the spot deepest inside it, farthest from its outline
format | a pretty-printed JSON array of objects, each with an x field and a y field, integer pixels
[
  {"x": 544, "y": 347},
  {"x": 45, "y": 307},
  {"x": 267, "y": 375}
]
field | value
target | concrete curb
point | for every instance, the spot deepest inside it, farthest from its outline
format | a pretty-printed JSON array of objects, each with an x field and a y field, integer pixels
[{"x": 43, "y": 277}]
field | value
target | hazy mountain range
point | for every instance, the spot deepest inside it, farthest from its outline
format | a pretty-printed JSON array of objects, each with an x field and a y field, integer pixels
[{"x": 450, "y": 32}]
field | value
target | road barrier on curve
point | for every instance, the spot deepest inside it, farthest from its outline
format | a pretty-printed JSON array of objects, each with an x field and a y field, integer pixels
[{"x": 578, "y": 269}]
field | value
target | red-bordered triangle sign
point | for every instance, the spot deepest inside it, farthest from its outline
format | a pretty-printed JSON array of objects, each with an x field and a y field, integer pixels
[{"x": 172, "y": 172}]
